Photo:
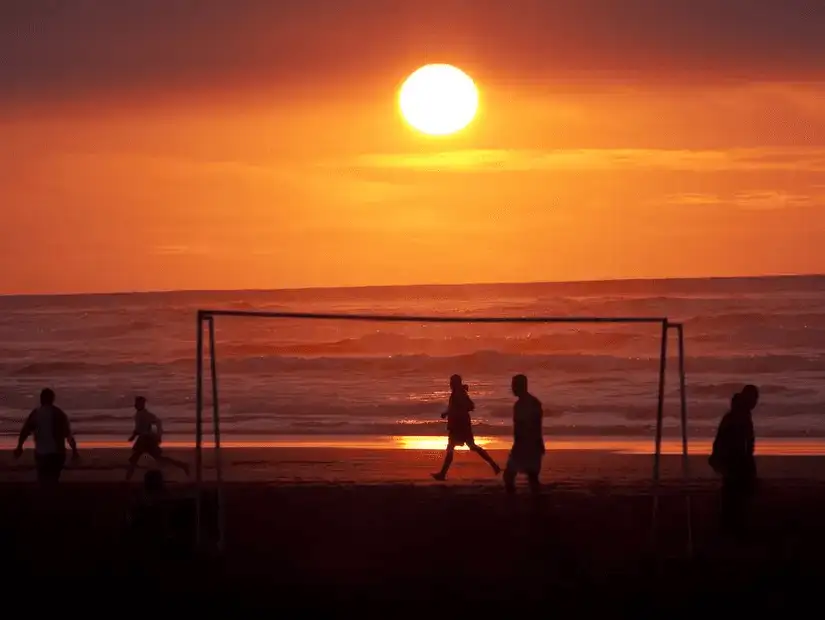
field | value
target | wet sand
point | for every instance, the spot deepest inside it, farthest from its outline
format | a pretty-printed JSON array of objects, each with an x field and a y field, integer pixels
[{"x": 359, "y": 465}]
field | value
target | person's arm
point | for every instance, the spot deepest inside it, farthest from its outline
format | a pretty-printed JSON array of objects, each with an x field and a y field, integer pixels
[
  {"x": 67, "y": 428},
  {"x": 449, "y": 407},
  {"x": 28, "y": 429},
  {"x": 517, "y": 430},
  {"x": 539, "y": 423},
  {"x": 158, "y": 426},
  {"x": 73, "y": 445},
  {"x": 751, "y": 439},
  {"x": 719, "y": 453}
]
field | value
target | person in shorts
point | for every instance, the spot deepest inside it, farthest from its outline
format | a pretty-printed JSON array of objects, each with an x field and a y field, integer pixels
[
  {"x": 51, "y": 429},
  {"x": 147, "y": 437},
  {"x": 460, "y": 428},
  {"x": 528, "y": 438}
]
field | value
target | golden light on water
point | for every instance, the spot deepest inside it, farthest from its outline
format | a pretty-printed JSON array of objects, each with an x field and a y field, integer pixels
[
  {"x": 413, "y": 442},
  {"x": 627, "y": 446}
]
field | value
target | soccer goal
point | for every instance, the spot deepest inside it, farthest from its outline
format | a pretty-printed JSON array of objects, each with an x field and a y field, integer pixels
[{"x": 206, "y": 345}]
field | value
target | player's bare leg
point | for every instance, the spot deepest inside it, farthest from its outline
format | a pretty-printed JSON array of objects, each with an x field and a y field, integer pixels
[{"x": 448, "y": 460}]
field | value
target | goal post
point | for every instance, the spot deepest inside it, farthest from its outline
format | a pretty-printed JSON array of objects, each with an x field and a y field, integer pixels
[{"x": 206, "y": 322}]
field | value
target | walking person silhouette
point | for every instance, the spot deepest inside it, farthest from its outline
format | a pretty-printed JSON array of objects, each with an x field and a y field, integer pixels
[
  {"x": 528, "y": 440},
  {"x": 733, "y": 458},
  {"x": 460, "y": 427}
]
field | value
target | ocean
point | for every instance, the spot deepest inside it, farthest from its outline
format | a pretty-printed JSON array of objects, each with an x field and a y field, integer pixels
[{"x": 301, "y": 378}]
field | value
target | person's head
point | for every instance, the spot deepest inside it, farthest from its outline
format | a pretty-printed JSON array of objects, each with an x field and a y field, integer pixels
[
  {"x": 140, "y": 403},
  {"x": 456, "y": 384},
  {"x": 736, "y": 403},
  {"x": 47, "y": 397},
  {"x": 519, "y": 385},
  {"x": 750, "y": 397},
  {"x": 153, "y": 481}
]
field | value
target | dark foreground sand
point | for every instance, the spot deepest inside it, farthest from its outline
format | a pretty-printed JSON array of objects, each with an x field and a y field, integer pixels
[{"x": 306, "y": 527}]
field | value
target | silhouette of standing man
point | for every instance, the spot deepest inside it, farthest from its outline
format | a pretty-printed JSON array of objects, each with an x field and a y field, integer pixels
[
  {"x": 528, "y": 438},
  {"x": 51, "y": 429},
  {"x": 733, "y": 458},
  {"x": 460, "y": 427}
]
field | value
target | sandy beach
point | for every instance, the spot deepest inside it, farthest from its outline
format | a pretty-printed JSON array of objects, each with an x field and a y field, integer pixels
[
  {"x": 410, "y": 460},
  {"x": 332, "y": 524}
]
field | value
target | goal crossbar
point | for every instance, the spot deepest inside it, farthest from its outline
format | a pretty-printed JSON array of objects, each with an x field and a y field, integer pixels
[
  {"x": 207, "y": 318},
  {"x": 406, "y": 318}
]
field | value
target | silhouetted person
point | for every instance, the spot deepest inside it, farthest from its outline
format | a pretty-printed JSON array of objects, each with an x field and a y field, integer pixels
[
  {"x": 51, "y": 429},
  {"x": 528, "y": 438},
  {"x": 147, "y": 435},
  {"x": 460, "y": 427},
  {"x": 733, "y": 458}
]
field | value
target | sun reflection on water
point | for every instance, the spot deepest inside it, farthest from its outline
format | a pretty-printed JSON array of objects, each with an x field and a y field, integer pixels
[{"x": 419, "y": 442}]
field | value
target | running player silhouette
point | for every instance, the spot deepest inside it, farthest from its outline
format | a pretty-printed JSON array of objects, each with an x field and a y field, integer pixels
[
  {"x": 147, "y": 436},
  {"x": 460, "y": 427}
]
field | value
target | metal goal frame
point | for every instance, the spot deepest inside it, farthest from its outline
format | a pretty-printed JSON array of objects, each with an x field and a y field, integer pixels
[{"x": 206, "y": 322}]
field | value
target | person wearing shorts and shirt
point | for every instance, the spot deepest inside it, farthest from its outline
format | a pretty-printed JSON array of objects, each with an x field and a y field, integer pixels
[
  {"x": 460, "y": 428},
  {"x": 528, "y": 438},
  {"x": 147, "y": 436},
  {"x": 51, "y": 429}
]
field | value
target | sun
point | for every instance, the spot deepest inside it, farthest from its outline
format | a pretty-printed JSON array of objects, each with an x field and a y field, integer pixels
[{"x": 438, "y": 100}]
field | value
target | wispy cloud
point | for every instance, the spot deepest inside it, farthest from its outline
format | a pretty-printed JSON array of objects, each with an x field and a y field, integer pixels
[
  {"x": 776, "y": 200},
  {"x": 486, "y": 160},
  {"x": 692, "y": 200},
  {"x": 180, "y": 250},
  {"x": 761, "y": 200}
]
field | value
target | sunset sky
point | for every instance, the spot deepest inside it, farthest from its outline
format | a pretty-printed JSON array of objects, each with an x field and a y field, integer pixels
[{"x": 214, "y": 144}]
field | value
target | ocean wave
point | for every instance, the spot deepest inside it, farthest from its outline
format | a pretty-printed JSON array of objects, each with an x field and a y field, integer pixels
[
  {"x": 727, "y": 389},
  {"x": 53, "y": 369},
  {"x": 290, "y": 376},
  {"x": 491, "y": 362},
  {"x": 485, "y": 362},
  {"x": 384, "y": 344}
]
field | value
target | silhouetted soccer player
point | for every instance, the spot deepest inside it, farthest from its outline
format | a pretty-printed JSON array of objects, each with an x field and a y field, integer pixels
[
  {"x": 51, "y": 429},
  {"x": 460, "y": 427},
  {"x": 528, "y": 438},
  {"x": 147, "y": 436},
  {"x": 733, "y": 458}
]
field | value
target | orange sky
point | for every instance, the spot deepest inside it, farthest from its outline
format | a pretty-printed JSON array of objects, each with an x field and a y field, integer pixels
[{"x": 147, "y": 145}]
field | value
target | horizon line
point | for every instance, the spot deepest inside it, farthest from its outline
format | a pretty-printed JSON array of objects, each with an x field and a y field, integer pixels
[{"x": 365, "y": 287}]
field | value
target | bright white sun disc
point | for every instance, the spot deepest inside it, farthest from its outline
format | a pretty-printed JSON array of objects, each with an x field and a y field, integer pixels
[{"x": 438, "y": 99}]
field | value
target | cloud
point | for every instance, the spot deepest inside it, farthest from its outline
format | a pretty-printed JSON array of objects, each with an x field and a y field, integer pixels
[
  {"x": 180, "y": 250},
  {"x": 691, "y": 200},
  {"x": 758, "y": 200},
  {"x": 767, "y": 200},
  {"x": 487, "y": 160}
]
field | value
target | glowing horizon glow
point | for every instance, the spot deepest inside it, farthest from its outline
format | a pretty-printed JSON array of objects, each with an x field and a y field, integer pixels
[{"x": 438, "y": 99}]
